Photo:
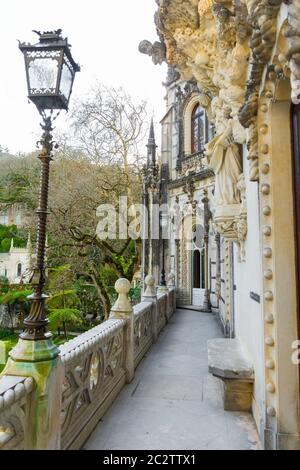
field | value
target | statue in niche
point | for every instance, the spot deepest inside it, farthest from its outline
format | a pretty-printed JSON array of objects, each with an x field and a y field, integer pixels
[{"x": 224, "y": 158}]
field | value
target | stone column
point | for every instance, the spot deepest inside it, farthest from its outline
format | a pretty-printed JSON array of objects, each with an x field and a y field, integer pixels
[
  {"x": 144, "y": 236},
  {"x": 150, "y": 260},
  {"x": 207, "y": 215},
  {"x": 218, "y": 268},
  {"x": 122, "y": 310},
  {"x": 150, "y": 296}
]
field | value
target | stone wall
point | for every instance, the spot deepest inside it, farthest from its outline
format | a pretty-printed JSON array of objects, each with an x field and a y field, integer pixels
[{"x": 244, "y": 57}]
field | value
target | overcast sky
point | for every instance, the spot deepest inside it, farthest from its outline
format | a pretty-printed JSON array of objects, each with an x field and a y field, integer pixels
[{"x": 104, "y": 35}]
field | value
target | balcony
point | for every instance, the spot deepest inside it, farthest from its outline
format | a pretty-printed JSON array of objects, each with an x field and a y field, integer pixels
[{"x": 138, "y": 381}]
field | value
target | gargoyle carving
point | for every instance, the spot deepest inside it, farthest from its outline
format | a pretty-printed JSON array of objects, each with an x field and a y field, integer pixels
[{"x": 157, "y": 51}]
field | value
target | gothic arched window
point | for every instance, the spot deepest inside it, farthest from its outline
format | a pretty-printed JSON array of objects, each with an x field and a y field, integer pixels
[
  {"x": 19, "y": 270},
  {"x": 198, "y": 129}
]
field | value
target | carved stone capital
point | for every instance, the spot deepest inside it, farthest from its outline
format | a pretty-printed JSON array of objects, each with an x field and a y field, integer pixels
[
  {"x": 231, "y": 220},
  {"x": 225, "y": 220}
]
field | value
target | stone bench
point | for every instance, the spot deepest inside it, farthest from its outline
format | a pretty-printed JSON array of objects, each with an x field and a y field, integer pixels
[{"x": 227, "y": 361}]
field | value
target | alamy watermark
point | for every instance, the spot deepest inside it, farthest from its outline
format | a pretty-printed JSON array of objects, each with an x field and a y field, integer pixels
[
  {"x": 296, "y": 354},
  {"x": 160, "y": 221}
]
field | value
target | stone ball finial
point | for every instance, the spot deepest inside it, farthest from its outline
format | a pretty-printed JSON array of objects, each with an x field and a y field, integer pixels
[
  {"x": 122, "y": 286},
  {"x": 122, "y": 307},
  {"x": 149, "y": 280},
  {"x": 150, "y": 290}
]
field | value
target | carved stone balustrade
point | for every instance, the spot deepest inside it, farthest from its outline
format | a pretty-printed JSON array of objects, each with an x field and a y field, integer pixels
[
  {"x": 96, "y": 366},
  {"x": 162, "y": 307},
  {"x": 15, "y": 419},
  {"x": 95, "y": 362},
  {"x": 143, "y": 329},
  {"x": 94, "y": 373}
]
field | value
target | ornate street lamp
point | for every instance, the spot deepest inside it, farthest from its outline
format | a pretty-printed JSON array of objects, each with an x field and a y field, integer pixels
[{"x": 50, "y": 72}]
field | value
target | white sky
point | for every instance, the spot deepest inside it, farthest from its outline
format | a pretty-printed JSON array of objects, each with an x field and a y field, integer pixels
[{"x": 104, "y": 35}]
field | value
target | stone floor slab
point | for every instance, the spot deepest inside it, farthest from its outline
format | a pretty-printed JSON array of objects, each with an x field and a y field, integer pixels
[{"x": 173, "y": 402}]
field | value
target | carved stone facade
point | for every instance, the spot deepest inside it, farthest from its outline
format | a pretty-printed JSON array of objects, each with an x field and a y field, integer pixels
[
  {"x": 241, "y": 63},
  {"x": 184, "y": 178}
]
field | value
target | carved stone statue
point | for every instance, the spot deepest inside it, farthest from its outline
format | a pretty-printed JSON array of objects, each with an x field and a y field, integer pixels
[
  {"x": 157, "y": 51},
  {"x": 224, "y": 158}
]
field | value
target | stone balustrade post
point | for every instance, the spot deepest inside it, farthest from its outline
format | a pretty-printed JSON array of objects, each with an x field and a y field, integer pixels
[
  {"x": 163, "y": 289},
  {"x": 171, "y": 279},
  {"x": 171, "y": 285},
  {"x": 150, "y": 296},
  {"x": 40, "y": 360},
  {"x": 123, "y": 310}
]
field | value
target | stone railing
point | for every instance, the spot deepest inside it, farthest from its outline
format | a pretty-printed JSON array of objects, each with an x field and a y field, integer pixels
[
  {"x": 94, "y": 374},
  {"x": 144, "y": 318},
  {"x": 162, "y": 303},
  {"x": 15, "y": 419},
  {"x": 98, "y": 363},
  {"x": 90, "y": 372}
]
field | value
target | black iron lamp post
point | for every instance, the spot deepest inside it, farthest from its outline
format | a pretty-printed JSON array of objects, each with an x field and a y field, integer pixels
[{"x": 50, "y": 72}]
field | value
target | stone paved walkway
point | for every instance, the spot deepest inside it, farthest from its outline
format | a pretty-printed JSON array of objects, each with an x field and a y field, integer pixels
[{"x": 173, "y": 402}]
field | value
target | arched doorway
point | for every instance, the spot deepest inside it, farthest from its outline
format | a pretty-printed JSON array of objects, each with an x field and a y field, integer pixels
[{"x": 198, "y": 266}]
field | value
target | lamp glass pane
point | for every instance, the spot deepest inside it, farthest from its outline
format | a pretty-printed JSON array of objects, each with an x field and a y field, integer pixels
[
  {"x": 43, "y": 75},
  {"x": 66, "y": 81}
]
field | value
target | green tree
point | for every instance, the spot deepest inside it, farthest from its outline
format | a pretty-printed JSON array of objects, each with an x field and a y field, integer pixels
[
  {"x": 63, "y": 300},
  {"x": 7, "y": 233},
  {"x": 19, "y": 180},
  {"x": 64, "y": 318},
  {"x": 90, "y": 303},
  {"x": 100, "y": 163},
  {"x": 16, "y": 299},
  {"x": 4, "y": 285}
]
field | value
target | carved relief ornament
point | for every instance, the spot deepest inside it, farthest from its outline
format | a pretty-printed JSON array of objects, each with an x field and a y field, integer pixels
[{"x": 226, "y": 47}]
